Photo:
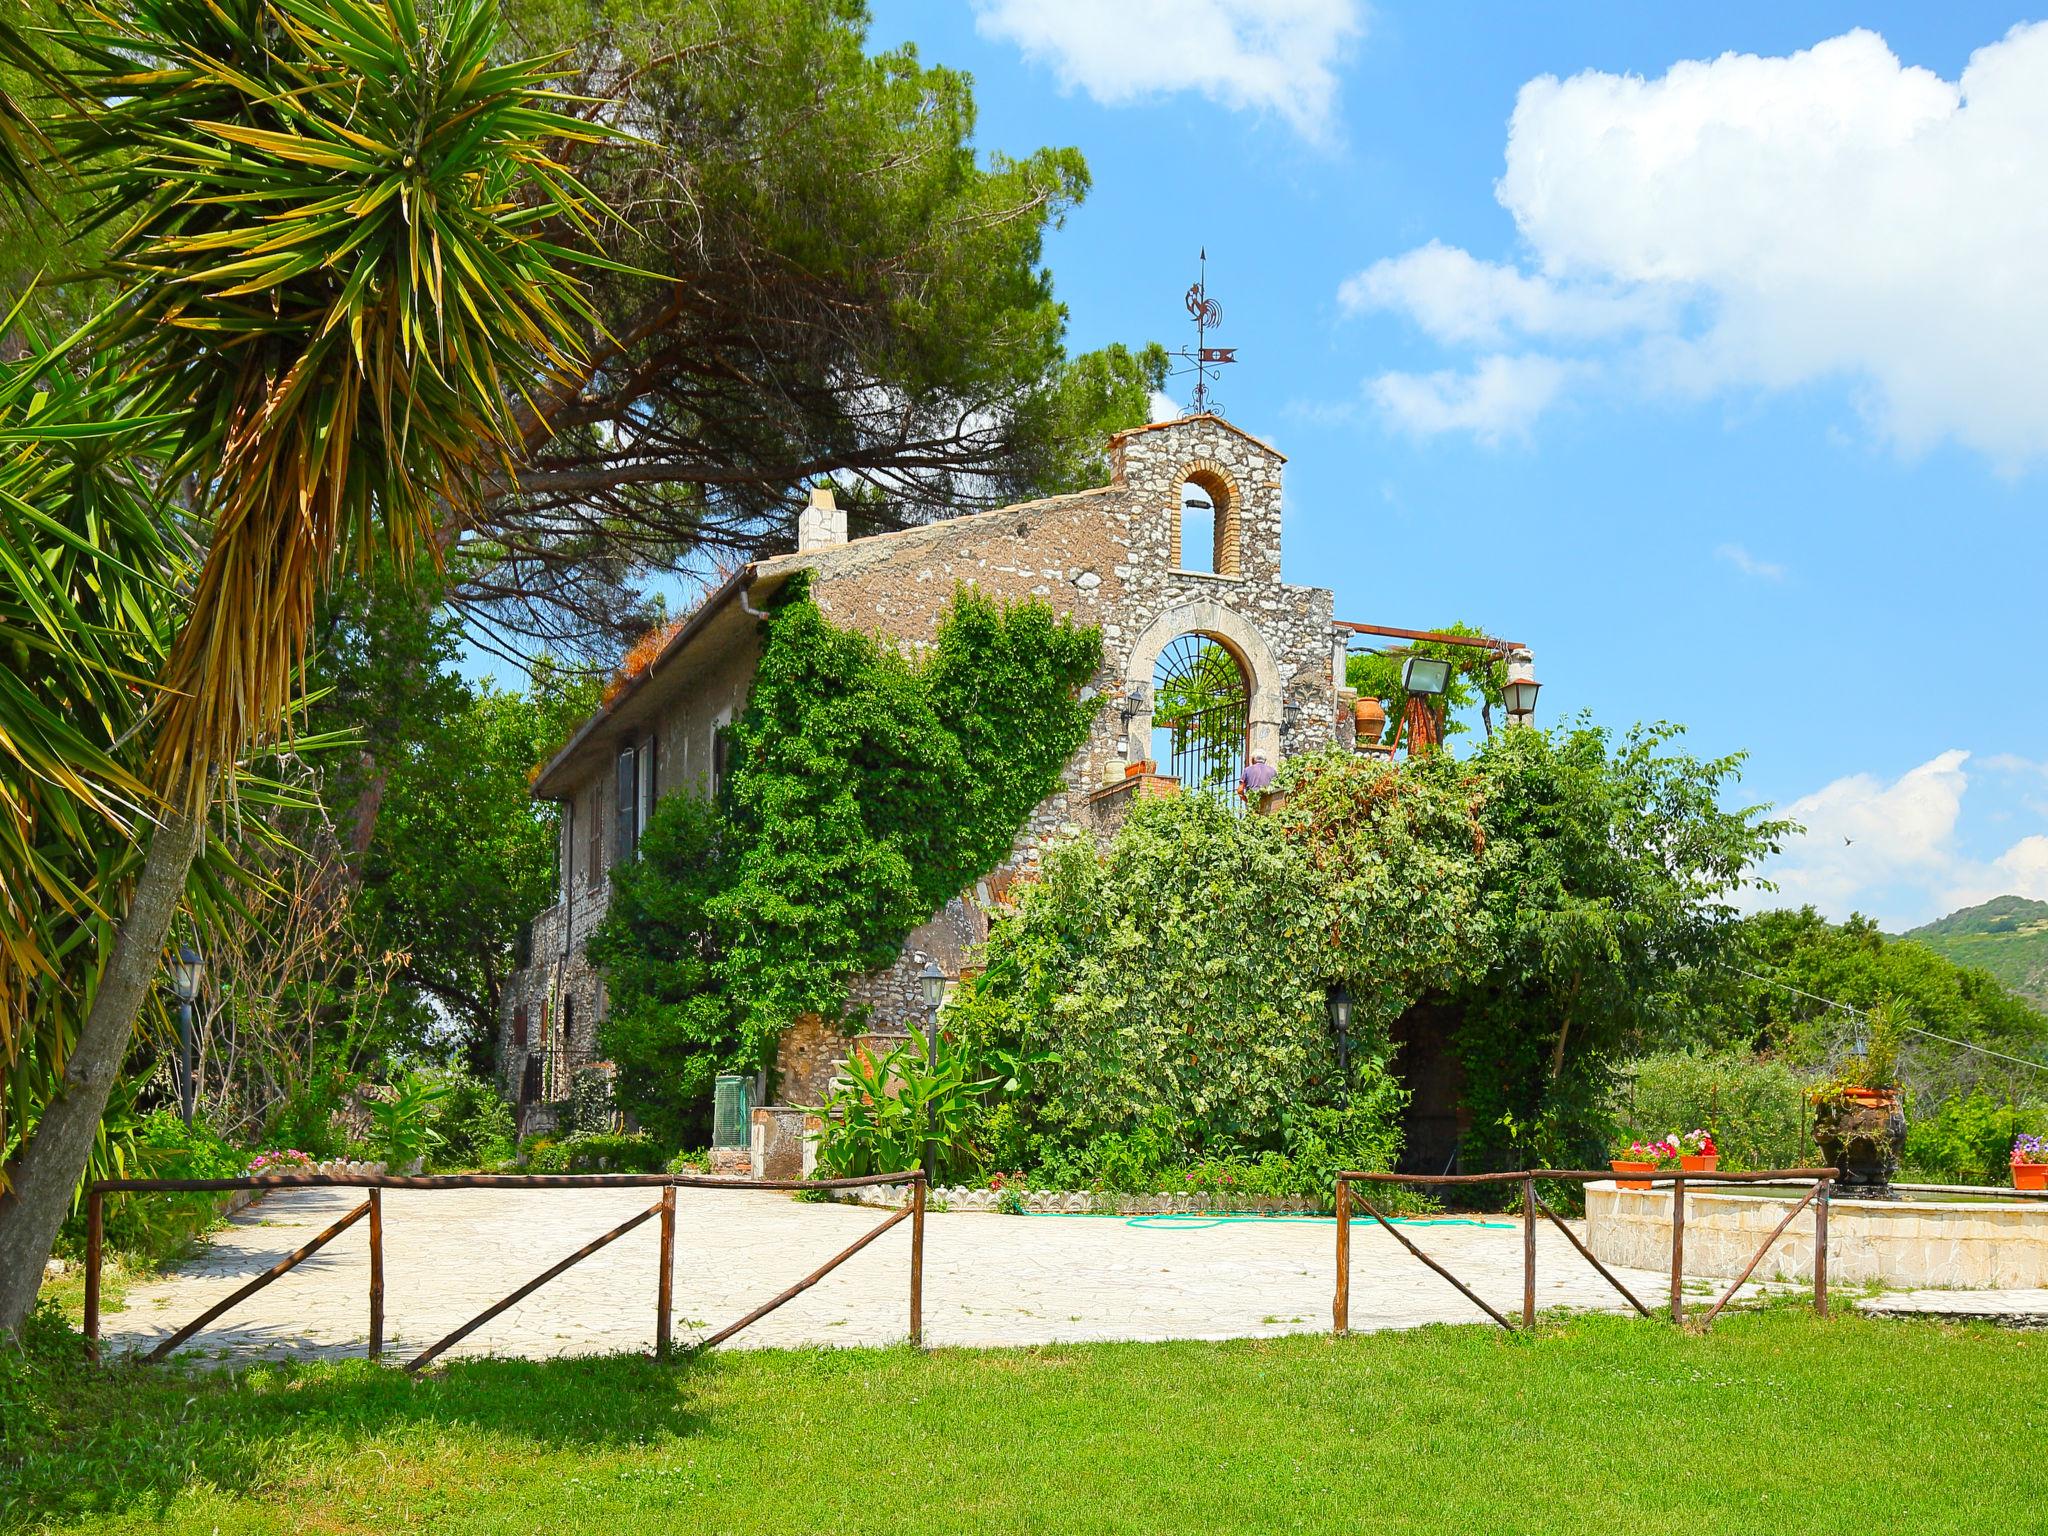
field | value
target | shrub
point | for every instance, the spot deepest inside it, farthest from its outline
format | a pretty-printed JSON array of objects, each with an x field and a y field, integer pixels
[
  {"x": 891, "y": 1113},
  {"x": 404, "y": 1123},
  {"x": 153, "y": 1227},
  {"x": 595, "y": 1152},
  {"x": 1968, "y": 1139},
  {"x": 1755, "y": 1106},
  {"x": 474, "y": 1124}
]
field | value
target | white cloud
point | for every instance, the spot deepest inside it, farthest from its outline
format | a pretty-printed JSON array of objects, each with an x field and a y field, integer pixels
[
  {"x": 1890, "y": 849},
  {"x": 1748, "y": 564},
  {"x": 1162, "y": 406},
  {"x": 1276, "y": 56},
  {"x": 1499, "y": 398},
  {"x": 1457, "y": 298},
  {"x": 1762, "y": 223}
]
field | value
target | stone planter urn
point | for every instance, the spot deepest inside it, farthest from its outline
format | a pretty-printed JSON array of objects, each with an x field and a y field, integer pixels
[{"x": 1862, "y": 1133}]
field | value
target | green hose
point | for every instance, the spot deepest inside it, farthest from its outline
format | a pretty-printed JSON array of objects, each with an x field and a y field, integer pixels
[{"x": 1166, "y": 1221}]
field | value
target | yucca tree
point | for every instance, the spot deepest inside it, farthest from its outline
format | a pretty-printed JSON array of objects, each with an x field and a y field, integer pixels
[{"x": 324, "y": 219}]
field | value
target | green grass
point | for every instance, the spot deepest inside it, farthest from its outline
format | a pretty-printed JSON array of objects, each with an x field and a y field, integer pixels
[{"x": 1776, "y": 1422}]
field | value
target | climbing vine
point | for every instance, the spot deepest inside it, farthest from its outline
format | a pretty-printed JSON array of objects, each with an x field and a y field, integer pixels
[{"x": 865, "y": 790}]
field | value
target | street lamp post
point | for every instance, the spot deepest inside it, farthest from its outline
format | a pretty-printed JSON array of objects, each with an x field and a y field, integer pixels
[
  {"x": 934, "y": 982},
  {"x": 1519, "y": 693},
  {"x": 186, "y": 972}
]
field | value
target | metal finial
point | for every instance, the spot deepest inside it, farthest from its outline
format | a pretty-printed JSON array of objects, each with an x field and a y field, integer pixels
[{"x": 1203, "y": 360}]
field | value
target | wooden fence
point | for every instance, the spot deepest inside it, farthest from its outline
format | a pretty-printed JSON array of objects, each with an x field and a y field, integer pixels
[
  {"x": 372, "y": 1207},
  {"x": 1532, "y": 1203}
]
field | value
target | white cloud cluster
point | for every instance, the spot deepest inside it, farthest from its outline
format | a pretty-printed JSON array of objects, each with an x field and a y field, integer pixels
[
  {"x": 1890, "y": 848},
  {"x": 1499, "y": 398},
  {"x": 1760, "y": 223},
  {"x": 1748, "y": 564},
  {"x": 1276, "y": 56}
]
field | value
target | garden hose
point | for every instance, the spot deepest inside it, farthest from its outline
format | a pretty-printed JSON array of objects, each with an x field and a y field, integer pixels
[{"x": 1167, "y": 1221}]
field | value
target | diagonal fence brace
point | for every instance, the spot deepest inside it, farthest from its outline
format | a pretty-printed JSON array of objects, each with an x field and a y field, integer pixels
[
  {"x": 1587, "y": 1254},
  {"x": 420, "y": 1360},
  {"x": 825, "y": 1269},
  {"x": 282, "y": 1266},
  {"x": 1758, "y": 1258},
  {"x": 1463, "y": 1289}
]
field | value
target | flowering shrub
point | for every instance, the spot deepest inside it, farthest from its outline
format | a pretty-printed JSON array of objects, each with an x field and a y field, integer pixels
[
  {"x": 1662, "y": 1152},
  {"x": 283, "y": 1160},
  {"x": 2030, "y": 1149}
]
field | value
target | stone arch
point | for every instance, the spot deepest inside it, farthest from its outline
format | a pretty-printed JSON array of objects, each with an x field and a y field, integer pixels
[
  {"x": 1237, "y": 635},
  {"x": 1221, "y": 487}
]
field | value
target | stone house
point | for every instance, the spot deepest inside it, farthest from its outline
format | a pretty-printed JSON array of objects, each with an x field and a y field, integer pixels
[{"x": 1177, "y": 559}]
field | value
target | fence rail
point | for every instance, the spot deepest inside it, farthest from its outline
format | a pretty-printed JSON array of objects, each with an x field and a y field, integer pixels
[
  {"x": 372, "y": 1207},
  {"x": 1533, "y": 1203}
]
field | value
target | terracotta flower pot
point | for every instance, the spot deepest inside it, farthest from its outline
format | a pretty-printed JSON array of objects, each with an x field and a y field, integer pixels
[
  {"x": 2030, "y": 1175},
  {"x": 1699, "y": 1162},
  {"x": 1626, "y": 1165},
  {"x": 1882, "y": 1098}
]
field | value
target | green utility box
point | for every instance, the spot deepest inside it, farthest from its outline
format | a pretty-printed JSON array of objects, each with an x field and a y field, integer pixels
[{"x": 731, "y": 1122}]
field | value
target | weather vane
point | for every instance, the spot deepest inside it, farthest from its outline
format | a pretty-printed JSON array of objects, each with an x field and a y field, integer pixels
[{"x": 1203, "y": 360}]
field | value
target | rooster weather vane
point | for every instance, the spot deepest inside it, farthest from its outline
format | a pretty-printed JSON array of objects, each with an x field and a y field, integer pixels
[{"x": 1203, "y": 360}]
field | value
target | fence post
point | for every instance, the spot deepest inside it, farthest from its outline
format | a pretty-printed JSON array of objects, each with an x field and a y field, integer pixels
[
  {"x": 1340, "y": 1310},
  {"x": 917, "y": 1263},
  {"x": 376, "y": 1273},
  {"x": 1820, "y": 1248},
  {"x": 95, "y": 1232},
  {"x": 1529, "y": 1252},
  {"x": 1678, "y": 1249},
  {"x": 664, "y": 1307}
]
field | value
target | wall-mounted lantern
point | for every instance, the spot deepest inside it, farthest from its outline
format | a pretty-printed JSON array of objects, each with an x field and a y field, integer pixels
[{"x": 1339, "y": 1001}]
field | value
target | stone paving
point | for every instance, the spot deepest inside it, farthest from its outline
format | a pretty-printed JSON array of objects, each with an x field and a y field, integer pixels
[{"x": 989, "y": 1280}]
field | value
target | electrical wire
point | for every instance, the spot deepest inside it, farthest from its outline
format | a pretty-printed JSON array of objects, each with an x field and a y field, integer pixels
[{"x": 1911, "y": 1029}]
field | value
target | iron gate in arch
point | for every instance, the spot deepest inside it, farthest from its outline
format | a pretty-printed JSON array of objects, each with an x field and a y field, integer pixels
[{"x": 1201, "y": 699}]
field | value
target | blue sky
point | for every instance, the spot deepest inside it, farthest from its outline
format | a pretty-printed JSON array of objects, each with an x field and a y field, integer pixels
[{"x": 1702, "y": 349}]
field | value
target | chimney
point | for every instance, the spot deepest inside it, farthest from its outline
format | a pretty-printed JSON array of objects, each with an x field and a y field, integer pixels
[{"x": 821, "y": 523}]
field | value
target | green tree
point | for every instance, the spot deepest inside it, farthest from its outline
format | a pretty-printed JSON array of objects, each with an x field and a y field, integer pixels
[
  {"x": 1801, "y": 966},
  {"x": 1612, "y": 871},
  {"x": 319, "y": 397},
  {"x": 868, "y": 299},
  {"x": 463, "y": 853}
]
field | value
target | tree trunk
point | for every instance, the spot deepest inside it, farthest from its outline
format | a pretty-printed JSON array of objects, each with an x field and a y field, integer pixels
[{"x": 46, "y": 1170}]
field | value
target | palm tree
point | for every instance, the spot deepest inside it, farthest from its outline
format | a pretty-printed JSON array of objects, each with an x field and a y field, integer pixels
[{"x": 325, "y": 222}]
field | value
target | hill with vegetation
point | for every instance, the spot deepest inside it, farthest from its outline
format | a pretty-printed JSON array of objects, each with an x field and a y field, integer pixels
[{"x": 2007, "y": 936}]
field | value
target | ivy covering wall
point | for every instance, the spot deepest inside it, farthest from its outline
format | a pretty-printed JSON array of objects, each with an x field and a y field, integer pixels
[{"x": 865, "y": 790}]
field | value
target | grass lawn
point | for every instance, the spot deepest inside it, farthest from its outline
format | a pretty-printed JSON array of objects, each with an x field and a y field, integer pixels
[{"x": 1776, "y": 1422}]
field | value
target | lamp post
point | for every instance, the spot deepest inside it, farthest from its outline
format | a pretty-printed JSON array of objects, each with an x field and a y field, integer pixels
[
  {"x": 1339, "y": 1000},
  {"x": 186, "y": 972},
  {"x": 934, "y": 982},
  {"x": 1519, "y": 693}
]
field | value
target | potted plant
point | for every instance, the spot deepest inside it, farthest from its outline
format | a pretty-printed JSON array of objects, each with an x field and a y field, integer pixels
[
  {"x": 1697, "y": 1152},
  {"x": 1857, "y": 1122},
  {"x": 1642, "y": 1157},
  {"x": 2030, "y": 1162}
]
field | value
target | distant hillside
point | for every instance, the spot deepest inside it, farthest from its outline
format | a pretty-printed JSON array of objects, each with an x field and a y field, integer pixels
[{"x": 2007, "y": 936}]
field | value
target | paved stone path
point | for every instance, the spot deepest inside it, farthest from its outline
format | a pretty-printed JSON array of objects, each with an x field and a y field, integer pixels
[
  {"x": 2009, "y": 1309},
  {"x": 989, "y": 1280}
]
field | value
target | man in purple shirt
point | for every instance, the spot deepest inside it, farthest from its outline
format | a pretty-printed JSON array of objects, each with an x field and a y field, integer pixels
[{"x": 1257, "y": 777}]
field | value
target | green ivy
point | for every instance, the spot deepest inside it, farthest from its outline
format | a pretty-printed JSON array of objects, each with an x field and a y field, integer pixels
[{"x": 866, "y": 790}]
